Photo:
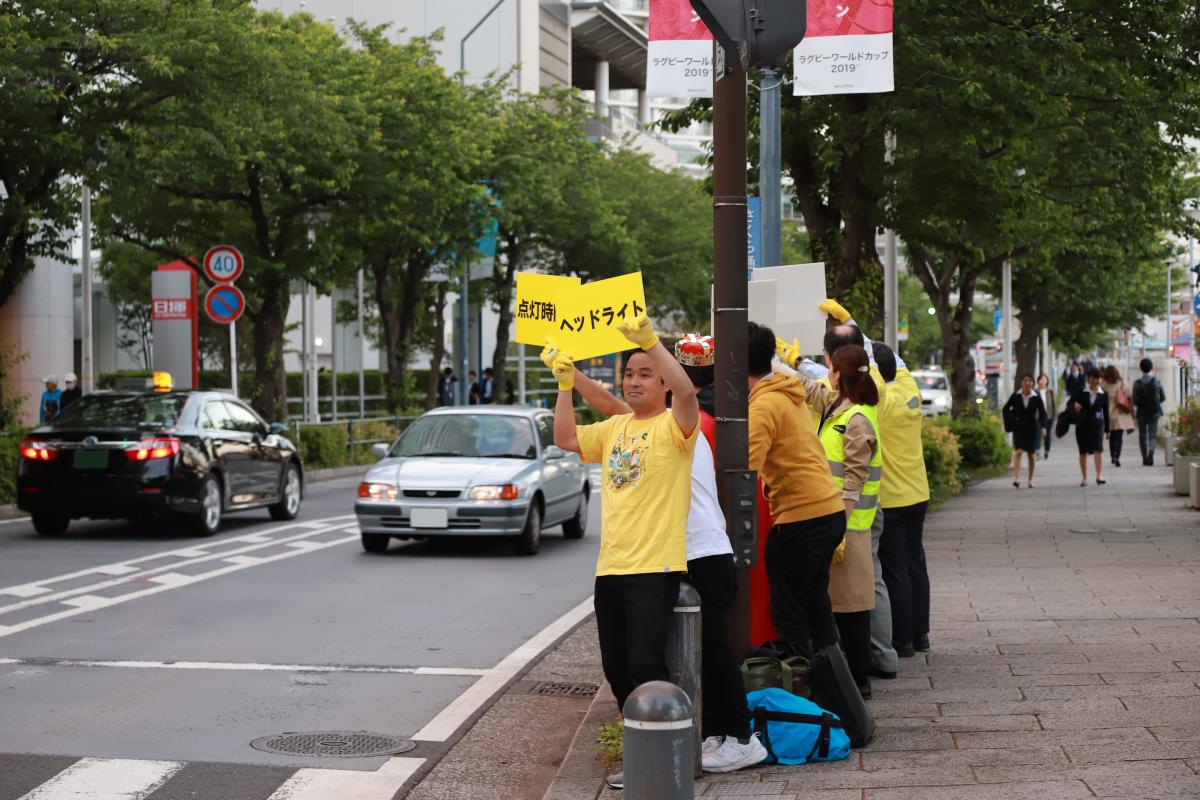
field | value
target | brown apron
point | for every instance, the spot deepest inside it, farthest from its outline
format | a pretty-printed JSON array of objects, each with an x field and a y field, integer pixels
[{"x": 852, "y": 582}]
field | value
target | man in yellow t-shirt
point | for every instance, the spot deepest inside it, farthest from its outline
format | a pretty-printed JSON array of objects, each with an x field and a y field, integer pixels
[{"x": 645, "y": 498}]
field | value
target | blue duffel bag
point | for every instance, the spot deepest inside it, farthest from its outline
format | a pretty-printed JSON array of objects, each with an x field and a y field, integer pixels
[{"x": 795, "y": 730}]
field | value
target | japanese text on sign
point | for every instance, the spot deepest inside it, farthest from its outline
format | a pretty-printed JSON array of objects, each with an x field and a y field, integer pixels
[
  {"x": 536, "y": 305},
  {"x": 589, "y": 314},
  {"x": 679, "y": 53},
  {"x": 179, "y": 308}
]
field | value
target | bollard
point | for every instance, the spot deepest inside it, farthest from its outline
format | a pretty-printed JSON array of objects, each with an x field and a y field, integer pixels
[
  {"x": 684, "y": 653},
  {"x": 1194, "y": 484},
  {"x": 659, "y": 743}
]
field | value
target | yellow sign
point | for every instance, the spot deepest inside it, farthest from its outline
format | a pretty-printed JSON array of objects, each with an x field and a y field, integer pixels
[
  {"x": 537, "y": 311},
  {"x": 588, "y": 315}
]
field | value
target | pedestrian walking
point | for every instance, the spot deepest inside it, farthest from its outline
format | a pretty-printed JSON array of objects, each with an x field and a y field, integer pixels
[
  {"x": 725, "y": 719},
  {"x": 849, "y": 433},
  {"x": 51, "y": 400},
  {"x": 1148, "y": 397},
  {"x": 446, "y": 385},
  {"x": 810, "y": 520},
  {"x": 472, "y": 388},
  {"x": 71, "y": 391},
  {"x": 487, "y": 387},
  {"x": 645, "y": 500},
  {"x": 1073, "y": 380},
  {"x": 1091, "y": 425},
  {"x": 1120, "y": 413},
  {"x": 1024, "y": 417},
  {"x": 1051, "y": 405}
]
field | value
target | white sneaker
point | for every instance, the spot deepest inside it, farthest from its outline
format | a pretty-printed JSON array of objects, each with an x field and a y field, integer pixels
[
  {"x": 711, "y": 744},
  {"x": 732, "y": 755}
]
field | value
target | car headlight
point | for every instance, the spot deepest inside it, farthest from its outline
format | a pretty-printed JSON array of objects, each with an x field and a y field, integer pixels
[
  {"x": 507, "y": 491},
  {"x": 940, "y": 402},
  {"x": 378, "y": 491}
]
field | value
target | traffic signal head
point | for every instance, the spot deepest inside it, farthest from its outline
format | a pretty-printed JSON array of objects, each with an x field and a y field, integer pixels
[{"x": 762, "y": 31}]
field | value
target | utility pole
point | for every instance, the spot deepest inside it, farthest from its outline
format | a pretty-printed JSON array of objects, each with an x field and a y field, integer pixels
[
  {"x": 1006, "y": 364},
  {"x": 770, "y": 171},
  {"x": 88, "y": 366},
  {"x": 362, "y": 375},
  {"x": 891, "y": 281}
]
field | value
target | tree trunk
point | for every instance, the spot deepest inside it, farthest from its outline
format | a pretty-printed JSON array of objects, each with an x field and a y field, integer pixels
[
  {"x": 439, "y": 347},
  {"x": 410, "y": 299},
  {"x": 267, "y": 325},
  {"x": 503, "y": 280},
  {"x": 953, "y": 321},
  {"x": 389, "y": 324},
  {"x": 1026, "y": 350}
]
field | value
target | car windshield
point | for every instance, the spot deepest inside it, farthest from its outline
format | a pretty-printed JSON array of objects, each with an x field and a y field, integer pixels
[
  {"x": 935, "y": 382},
  {"x": 138, "y": 411},
  {"x": 469, "y": 436}
]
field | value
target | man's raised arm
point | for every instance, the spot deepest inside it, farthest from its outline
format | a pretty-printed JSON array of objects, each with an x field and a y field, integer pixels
[{"x": 684, "y": 405}]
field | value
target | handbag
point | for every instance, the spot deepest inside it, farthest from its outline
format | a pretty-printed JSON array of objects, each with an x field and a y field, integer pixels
[
  {"x": 1124, "y": 404},
  {"x": 1063, "y": 423}
]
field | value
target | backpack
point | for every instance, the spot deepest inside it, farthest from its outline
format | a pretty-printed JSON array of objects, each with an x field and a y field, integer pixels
[
  {"x": 1144, "y": 395},
  {"x": 795, "y": 730}
]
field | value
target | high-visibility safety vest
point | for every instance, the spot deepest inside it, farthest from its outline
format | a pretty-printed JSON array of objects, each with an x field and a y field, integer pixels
[{"x": 833, "y": 435}]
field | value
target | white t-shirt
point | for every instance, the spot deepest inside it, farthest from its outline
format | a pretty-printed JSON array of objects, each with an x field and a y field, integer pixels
[{"x": 705, "y": 522}]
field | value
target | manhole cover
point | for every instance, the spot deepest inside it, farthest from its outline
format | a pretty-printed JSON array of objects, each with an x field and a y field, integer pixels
[
  {"x": 566, "y": 689},
  {"x": 333, "y": 744}
]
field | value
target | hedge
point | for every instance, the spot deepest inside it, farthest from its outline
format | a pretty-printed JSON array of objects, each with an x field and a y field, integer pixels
[
  {"x": 981, "y": 440},
  {"x": 10, "y": 440},
  {"x": 943, "y": 462}
]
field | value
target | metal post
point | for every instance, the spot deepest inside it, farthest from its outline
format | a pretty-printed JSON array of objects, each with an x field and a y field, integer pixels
[
  {"x": 362, "y": 375},
  {"x": 1169, "y": 339},
  {"x": 730, "y": 294},
  {"x": 304, "y": 337},
  {"x": 233, "y": 365},
  {"x": 601, "y": 89},
  {"x": 521, "y": 374},
  {"x": 891, "y": 280},
  {"x": 769, "y": 164},
  {"x": 1006, "y": 363},
  {"x": 464, "y": 321},
  {"x": 684, "y": 655},
  {"x": 333, "y": 344},
  {"x": 658, "y": 736},
  {"x": 314, "y": 397},
  {"x": 87, "y": 365},
  {"x": 1045, "y": 366}
]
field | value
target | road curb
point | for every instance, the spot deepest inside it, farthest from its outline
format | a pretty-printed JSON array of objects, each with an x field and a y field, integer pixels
[
  {"x": 10, "y": 512},
  {"x": 333, "y": 473},
  {"x": 581, "y": 775}
]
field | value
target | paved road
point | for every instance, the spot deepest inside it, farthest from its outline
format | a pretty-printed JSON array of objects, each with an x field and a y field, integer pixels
[{"x": 138, "y": 661}]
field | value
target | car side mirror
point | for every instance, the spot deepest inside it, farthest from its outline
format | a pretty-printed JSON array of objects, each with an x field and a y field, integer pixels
[
  {"x": 380, "y": 451},
  {"x": 552, "y": 452},
  {"x": 277, "y": 429}
]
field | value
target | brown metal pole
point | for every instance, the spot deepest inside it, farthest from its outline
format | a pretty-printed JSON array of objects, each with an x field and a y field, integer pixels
[{"x": 737, "y": 484}]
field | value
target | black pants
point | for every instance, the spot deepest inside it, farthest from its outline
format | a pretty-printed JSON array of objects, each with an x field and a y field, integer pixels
[
  {"x": 1147, "y": 435},
  {"x": 855, "y": 630},
  {"x": 1115, "y": 439},
  {"x": 902, "y": 556},
  {"x": 797, "y": 559},
  {"x": 723, "y": 710},
  {"x": 633, "y": 620},
  {"x": 1047, "y": 438}
]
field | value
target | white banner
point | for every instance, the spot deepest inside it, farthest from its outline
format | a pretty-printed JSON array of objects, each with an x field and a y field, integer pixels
[
  {"x": 847, "y": 48},
  {"x": 680, "y": 54}
]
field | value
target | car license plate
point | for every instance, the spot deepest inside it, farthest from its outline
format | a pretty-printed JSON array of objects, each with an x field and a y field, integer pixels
[
  {"x": 90, "y": 459},
  {"x": 430, "y": 518}
]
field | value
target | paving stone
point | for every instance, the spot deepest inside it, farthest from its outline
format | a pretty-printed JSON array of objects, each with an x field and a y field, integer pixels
[
  {"x": 1050, "y": 790},
  {"x": 1055, "y": 738},
  {"x": 1180, "y": 787},
  {"x": 866, "y": 779},
  {"x": 1176, "y": 733},
  {"x": 1117, "y": 690},
  {"x": 960, "y": 681},
  {"x": 973, "y": 757},
  {"x": 998, "y": 722},
  {"x": 1133, "y": 751},
  {"x": 1035, "y": 707},
  {"x": 909, "y": 739},
  {"x": 882, "y": 709},
  {"x": 1148, "y": 771}
]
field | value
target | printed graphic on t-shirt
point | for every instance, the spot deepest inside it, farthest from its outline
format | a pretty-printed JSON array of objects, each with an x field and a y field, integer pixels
[{"x": 626, "y": 459}]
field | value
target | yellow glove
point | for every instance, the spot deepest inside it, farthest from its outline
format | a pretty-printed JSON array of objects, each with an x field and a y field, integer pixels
[
  {"x": 788, "y": 353},
  {"x": 639, "y": 331},
  {"x": 564, "y": 372},
  {"x": 840, "y": 552},
  {"x": 834, "y": 309},
  {"x": 549, "y": 352}
]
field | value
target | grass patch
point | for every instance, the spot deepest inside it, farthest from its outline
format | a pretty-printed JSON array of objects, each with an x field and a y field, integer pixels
[{"x": 610, "y": 744}]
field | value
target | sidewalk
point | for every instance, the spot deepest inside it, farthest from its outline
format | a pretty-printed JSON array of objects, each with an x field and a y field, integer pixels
[{"x": 1065, "y": 659}]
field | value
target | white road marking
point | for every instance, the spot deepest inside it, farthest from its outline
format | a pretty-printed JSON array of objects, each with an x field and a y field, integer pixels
[
  {"x": 244, "y": 666},
  {"x": 14, "y": 519},
  {"x": 27, "y": 590},
  {"x": 106, "y": 779},
  {"x": 152, "y": 571},
  {"x": 93, "y": 602},
  {"x": 339, "y": 784},
  {"x": 449, "y": 719},
  {"x": 125, "y": 567}
]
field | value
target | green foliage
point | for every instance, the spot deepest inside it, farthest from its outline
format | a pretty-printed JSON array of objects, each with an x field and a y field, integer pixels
[
  {"x": 610, "y": 744},
  {"x": 324, "y": 446},
  {"x": 981, "y": 440},
  {"x": 943, "y": 462},
  {"x": 10, "y": 404},
  {"x": 9, "y": 442},
  {"x": 1184, "y": 425}
]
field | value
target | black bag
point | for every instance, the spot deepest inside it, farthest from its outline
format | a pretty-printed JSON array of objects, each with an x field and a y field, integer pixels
[
  {"x": 1063, "y": 424},
  {"x": 834, "y": 688}
]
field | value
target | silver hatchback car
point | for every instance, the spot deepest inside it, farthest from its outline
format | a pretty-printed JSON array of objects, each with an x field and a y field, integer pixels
[{"x": 474, "y": 471}]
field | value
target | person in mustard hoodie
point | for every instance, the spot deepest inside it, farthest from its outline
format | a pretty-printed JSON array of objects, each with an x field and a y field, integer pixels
[{"x": 810, "y": 519}]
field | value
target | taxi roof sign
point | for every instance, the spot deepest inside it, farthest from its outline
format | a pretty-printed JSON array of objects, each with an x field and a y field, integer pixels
[{"x": 161, "y": 382}]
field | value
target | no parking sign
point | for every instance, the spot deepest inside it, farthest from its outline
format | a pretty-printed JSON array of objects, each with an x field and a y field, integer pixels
[{"x": 224, "y": 304}]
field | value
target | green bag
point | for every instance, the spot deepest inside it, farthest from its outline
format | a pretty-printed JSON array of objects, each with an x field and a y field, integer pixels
[{"x": 793, "y": 674}]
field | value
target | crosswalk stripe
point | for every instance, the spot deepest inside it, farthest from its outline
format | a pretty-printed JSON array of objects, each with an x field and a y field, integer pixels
[
  {"x": 338, "y": 784},
  {"x": 106, "y": 779}
]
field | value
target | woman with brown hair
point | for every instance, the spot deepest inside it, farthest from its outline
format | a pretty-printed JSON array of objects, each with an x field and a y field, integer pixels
[
  {"x": 1120, "y": 411},
  {"x": 849, "y": 431}
]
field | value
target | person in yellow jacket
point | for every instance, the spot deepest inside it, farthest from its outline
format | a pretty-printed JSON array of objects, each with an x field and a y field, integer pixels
[{"x": 848, "y": 431}]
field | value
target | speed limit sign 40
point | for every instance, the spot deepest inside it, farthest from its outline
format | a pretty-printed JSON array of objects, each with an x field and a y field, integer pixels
[{"x": 223, "y": 264}]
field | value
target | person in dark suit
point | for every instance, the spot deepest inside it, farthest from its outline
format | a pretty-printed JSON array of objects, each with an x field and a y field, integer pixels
[
  {"x": 1047, "y": 394},
  {"x": 1091, "y": 424},
  {"x": 1024, "y": 417}
]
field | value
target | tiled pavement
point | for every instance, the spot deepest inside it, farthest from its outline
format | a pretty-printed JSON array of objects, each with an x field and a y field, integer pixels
[{"x": 1065, "y": 660}]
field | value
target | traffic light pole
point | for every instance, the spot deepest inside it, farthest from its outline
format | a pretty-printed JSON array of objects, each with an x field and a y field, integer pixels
[
  {"x": 770, "y": 82},
  {"x": 729, "y": 323}
]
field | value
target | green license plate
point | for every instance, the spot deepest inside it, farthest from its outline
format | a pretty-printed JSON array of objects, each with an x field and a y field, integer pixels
[{"x": 91, "y": 459}]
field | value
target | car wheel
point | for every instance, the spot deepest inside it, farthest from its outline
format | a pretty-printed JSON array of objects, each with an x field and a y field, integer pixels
[
  {"x": 289, "y": 499},
  {"x": 47, "y": 523},
  {"x": 576, "y": 526},
  {"x": 208, "y": 521},
  {"x": 530, "y": 539},
  {"x": 376, "y": 542}
]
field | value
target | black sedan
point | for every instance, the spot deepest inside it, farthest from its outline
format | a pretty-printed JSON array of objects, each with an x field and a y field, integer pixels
[{"x": 113, "y": 455}]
